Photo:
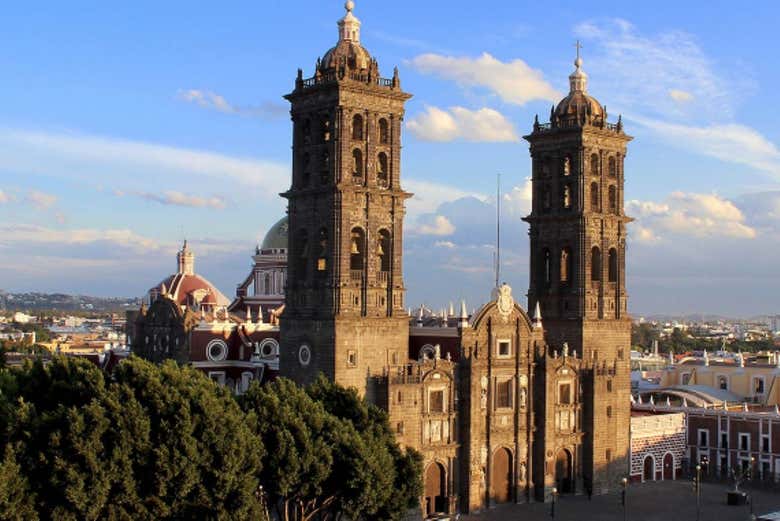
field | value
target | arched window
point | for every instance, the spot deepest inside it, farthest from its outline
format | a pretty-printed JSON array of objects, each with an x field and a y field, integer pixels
[
  {"x": 325, "y": 167},
  {"x": 306, "y": 131},
  {"x": 302, "y": 254},
  {"x": 325, "y": 127},
  {"x": 383, "y": 250},
  {"x": 546, "y": 268},
  {"x": 357, "y": 127},
  {"x": 384, "y": 132},
  {"x": 613, "y": 265},
  {"x": 612, "y": 199},
  {"x": 357, "y": 163},
  {"x": 612, "y": 167},
  {"x": 382, "y": 171},
  {"x": 357, "y": 250},
  {"x": 546, "y": 198},
  {"x": 322, "y": 255},
  {"x": 594, "y": 197},
  {"x": 305, "y": 169},
  {"x": 566, "y": 265},
  {"x": 595, "y": 263},
  {"x": 594, "y": 164}
]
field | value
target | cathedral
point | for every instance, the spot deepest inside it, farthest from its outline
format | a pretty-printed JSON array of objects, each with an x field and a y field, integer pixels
[{"x": 504, "y": 406}]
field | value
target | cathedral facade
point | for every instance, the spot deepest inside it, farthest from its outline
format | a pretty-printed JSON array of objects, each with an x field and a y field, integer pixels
[{"x": 504, "y": 406}]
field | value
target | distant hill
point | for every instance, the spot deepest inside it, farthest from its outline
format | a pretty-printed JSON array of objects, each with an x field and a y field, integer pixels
[{"x": 62, "y": 302}]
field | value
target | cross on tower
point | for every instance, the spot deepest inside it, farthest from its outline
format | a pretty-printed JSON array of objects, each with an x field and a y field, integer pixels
[{"x": 578, "y": 45}]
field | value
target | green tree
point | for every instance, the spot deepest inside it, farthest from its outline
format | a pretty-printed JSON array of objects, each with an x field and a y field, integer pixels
[
  {"x": 150, "y": 443},
  {"x": 16, "y": 501}
]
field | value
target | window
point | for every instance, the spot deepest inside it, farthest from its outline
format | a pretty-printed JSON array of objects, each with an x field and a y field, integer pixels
[
  {"x": 566, "y": 262},
  {"x": 357, "y": 250},
  {"x": 322, "y": 256},
  {"x": 595, "y": 264},
  {"x": 765, "y": 443},
  {"x": 744, "y": 441},
  {"x": 357, "y": 163},
  {"x": 351, "y": 358},
  {"x": 546, "y": 268},
  {"x": 594, "y": 197},
  {"x": 612, "y": 196},
  {"x": 504, "y": 394},
  {"x": 504, "y": 348},
  {"x": 246, "y": 381},
  {"x": 436, "y": 401},
  {"x": 384, "y": 132},
  {"x": 400, "y": 398},
  {"x": 383, "y": 251},
  {"x": 609, "y": 411},
  {"x": 594, "y": 164},
  {"x": 302, "y": 256},
  {"x": 613, "y": 265},
  {"x": 305, "y": 166},
  {"x": 357, "y": 127},
  {"x": 704, "y": 438},
  {"x": 306, "y": 131},
  {"x": 724, "y": 440},
  {"x": 685, "y": 378},
  {"x": 723, "y": 382},
  {"x": 324, "y": 167},
  {"x": 217, "y": 376},
  {"x": 382, "y": 171},
  {"x": 564, "y": 394},
  {"x": 758, "y": 385},
  {"x": 399, "y": 427},
  {"x": 612, "y": 168},
  {"x": 620, "y": 353},
  {"x": 608, "y": 455},
  {"x": 216, "y": 350},
  {"x": 609, "y": 386}
]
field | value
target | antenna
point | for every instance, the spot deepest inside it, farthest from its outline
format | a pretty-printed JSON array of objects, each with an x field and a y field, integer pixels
[{"x": 498, "y": 228}]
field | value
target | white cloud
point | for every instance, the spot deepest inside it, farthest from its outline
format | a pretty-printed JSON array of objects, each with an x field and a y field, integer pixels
[
  {"x": 174, "y": 198},
  {"x": 34, "y": 234},
  {"x": 434, "y": 225},
  {"x": 483, "y": 125},
  {"x": 689, "y": 215},
  {"x": 4, "y": 198},
  {"x": 680, "y": 96},
  {"x": 518, "y": 200},
  {"x": 445, "y": 244},
  {"x": 41, "y": 200},
  {"x": 133, "y": 163},
  {"x": 514, "y": 82},
  {"x": 211, "y": 100},
  {"x": 652, "y": 74},
  {"x": 428, "y": 196},
  {"x": 731, "y": 143}
]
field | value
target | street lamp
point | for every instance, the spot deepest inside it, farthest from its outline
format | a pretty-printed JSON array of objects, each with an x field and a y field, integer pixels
[
  {"x": 624, "y": 498},
  {"x": 698, "y": 492},
  {"x": 552, "y": 506}
]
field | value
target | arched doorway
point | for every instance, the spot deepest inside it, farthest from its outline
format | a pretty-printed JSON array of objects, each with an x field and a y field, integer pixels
[
  {"x": 501, "y": 476},
  {"x": 649, "y": 469},
  {"x": 563, "y": 472},
  {"x": 668, "y": 466},
  {"x": 435, "y": 489}
]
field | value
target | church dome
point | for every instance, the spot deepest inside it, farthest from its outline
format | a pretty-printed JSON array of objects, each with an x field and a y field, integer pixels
[
  {"x": 185, "y": 287},
  {"x": 276, "y": 238},
  {"x": 347, "y": 52},
  {"x": 578, "y": 103}
]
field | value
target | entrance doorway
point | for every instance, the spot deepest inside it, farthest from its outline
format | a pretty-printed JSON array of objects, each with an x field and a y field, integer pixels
[
  {"x": 649, "y": 469},
  {"x": 668, "y": 466},
  {"x": 563, "y": 472},
  {"x": 501, "y": 476},
  {"x": 435, "y": 489}
]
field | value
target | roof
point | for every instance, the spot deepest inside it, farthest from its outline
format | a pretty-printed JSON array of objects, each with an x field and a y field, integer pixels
[
  {"x": 189, "y": 290},
  {"x": 276, "y": 238}
]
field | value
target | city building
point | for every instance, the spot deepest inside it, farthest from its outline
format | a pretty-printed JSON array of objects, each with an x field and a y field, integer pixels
[
  {"x": 659, "y": 444},
  {"x": 503, "y": 407}
]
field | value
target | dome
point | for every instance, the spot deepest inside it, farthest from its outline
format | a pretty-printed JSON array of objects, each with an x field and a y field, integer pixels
[
  {"x": 354, "y": 55},
  {"x": 579, "y": 103},
  {"x": 276, "y": 238}
]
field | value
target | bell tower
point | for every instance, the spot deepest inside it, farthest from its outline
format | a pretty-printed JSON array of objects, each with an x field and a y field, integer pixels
[
  {"x": 345, "y": 312},
  {"x": 578, "y": 243}
]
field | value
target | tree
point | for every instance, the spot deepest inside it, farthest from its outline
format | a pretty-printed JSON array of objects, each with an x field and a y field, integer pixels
[
  {"x": 16, "y": 501},
  {"x": 330, "y": 454},
  {"x": 151, "y": 443}
]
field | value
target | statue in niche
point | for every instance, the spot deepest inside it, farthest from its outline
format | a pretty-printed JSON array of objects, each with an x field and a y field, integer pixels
[
  {"x": 522, "y": 471},
  {"x": 523, "y": 398}
]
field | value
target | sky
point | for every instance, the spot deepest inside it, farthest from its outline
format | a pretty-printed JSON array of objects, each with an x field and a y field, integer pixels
[{"x": 126, "y": 128}]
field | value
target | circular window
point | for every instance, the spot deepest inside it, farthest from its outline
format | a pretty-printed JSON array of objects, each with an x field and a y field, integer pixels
[
  {"x": 216, "y": 350},
  {"x": 269, "y": 347},
  {"x": 304, "y": 355}
]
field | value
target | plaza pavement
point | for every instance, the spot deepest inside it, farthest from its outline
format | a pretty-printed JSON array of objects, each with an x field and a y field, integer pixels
[{"x": 658, "y": 501}]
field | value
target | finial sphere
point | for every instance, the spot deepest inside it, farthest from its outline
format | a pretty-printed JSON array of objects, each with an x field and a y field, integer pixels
[
  {"x": 578, "y": 62},
  {"x": 349, "y": 5}
]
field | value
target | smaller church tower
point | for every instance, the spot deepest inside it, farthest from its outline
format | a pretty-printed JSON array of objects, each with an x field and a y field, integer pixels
[
  {"x": 185, "y": 260},
  {"x": 345, "y": 314}
]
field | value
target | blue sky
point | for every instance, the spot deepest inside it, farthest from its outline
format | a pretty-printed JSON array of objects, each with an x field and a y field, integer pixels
[{"x": 124, "y": 128}]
